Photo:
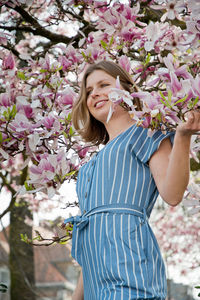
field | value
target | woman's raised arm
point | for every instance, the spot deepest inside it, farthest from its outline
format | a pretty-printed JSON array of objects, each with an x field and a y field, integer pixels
[{"x": 170, "y": 166}]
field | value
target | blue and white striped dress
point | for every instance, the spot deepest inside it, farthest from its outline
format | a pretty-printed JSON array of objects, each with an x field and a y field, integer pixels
[{"x": 112, "y": 240}]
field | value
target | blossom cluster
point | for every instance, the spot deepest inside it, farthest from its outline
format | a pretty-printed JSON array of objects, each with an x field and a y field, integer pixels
[
  {"x": 166, "y": 109},
  {"x": 40, "y": 80}
]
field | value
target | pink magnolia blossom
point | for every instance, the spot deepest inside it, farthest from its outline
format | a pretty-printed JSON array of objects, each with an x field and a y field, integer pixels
[
  {"x": 124, "y": 62},
  {"x": 67, "y": 97},
  {"x": 5, "y": 100},
  {"x": 65, "y": 63},
  {"x": 9, "y": 62},
  {"x": 48, "y": 121},
  {"x": 3, "y": 38},
  {"x": 172, "y": 7}
]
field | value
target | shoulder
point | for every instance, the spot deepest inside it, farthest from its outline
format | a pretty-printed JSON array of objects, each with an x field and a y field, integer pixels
[{"x": 147, "y": 142}]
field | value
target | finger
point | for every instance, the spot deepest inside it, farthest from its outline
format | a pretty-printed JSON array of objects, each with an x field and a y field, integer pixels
[
  {"x": 190, "y": 117},
  {"x": 196, "y": 117}
]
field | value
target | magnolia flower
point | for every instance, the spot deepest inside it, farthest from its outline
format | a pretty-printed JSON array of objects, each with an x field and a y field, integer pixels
[
  {"x": 191, "y": 198},
  {"x": 3, "y": 38},
  {"x": 33, "y": 140},
  {"x": 154, "y": 32},
  {"x": 5, "y": 100},
  {"x": 65, "y": 63},
  {"x": 117, "y": 96},
  {"x": 154, "y": 113},
  {"x": 67, "y": 97},
  {"x": 173, "y": 8},
  {"x": 124, "y": 62},
  {"x": 194, "y": 7},
  {"x": 8, "y": 62}
]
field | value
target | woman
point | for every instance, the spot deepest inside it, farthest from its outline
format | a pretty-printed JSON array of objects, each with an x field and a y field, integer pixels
[{"x": 117, "y": 189}]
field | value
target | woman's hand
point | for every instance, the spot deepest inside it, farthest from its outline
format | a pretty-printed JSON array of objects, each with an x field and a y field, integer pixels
[
  {"x": 79, "y": 292},
  {"x": 192, "y": 124}
]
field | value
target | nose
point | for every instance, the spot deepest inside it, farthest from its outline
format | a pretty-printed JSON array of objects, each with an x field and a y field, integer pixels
[{"x": 94, "y": 93}]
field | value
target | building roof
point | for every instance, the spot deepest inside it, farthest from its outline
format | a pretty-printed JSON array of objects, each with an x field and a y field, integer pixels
[{"x": 47, "y": 259}]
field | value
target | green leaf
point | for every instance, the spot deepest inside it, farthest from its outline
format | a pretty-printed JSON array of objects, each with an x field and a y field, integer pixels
[
  {"x": 24, "y": 237},
  {"x": 104, "y": 45},
  {"x": 197, "y": 287},
  {"x": 6, "y": 115},
  {"x": 7, "y": 140},
  {"x": 21, "y": 75},
  {"x": 71, "y": 131},
  {"x": 181, "y": 100},
  {"x": 69, "y": 117},
  {"x": 195, "y": 101},
  {"x": 147, "y": 60},
  {"x": 28, "y": 187},
  {"x": 83, "y": 54},
  {"x": 68, "y": 174},
  {"x": 170, "y": 96},
  {"x": 43, "y": 70},
  {"x": 119, "y": 47},
  {"x": 159, "y": 117},
  {"x": 1, "y": 137},
  {"x": 63, "y": 242},
  {"x": 65, "y": 134},
  {"x": 60, "y": 68},
  {"x": 111, "y": 41},
  {"x": 165, "y": 102},
  {"x": 13, "y": 111}
]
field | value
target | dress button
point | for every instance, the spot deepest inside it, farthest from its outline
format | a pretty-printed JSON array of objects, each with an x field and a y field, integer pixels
[
  {"x": 85, "y": 194},
  {"x": 88, "y": 179},
  {"x": 84, "y": 211},
  {"x": 92, "y": 163}
]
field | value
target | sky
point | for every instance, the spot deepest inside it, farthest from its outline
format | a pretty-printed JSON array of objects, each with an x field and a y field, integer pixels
[{"x": 68, "y": 194}]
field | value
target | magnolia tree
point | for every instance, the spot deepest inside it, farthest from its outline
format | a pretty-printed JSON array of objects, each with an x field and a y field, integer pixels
[{"x": 45, "y": 46}]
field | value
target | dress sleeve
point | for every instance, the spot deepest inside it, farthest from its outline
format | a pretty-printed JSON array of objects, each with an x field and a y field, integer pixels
[{"x": 144, "y": 146}]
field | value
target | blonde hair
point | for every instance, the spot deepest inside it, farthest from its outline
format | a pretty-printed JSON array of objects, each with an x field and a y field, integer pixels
[{"x": 90, "y": 129}]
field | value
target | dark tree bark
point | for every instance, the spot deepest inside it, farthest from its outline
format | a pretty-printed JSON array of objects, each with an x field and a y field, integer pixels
[{"x": 21, "y": 259}]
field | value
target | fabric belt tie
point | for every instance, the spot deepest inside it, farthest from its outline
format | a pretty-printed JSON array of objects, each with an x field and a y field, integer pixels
[{"x": 80, "y": 222}]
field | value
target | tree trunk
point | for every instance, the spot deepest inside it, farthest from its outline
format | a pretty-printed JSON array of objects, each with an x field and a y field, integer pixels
[{"x": 21, "y": 258}]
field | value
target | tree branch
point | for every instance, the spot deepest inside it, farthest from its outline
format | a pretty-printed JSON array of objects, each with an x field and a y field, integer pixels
[{"x": 41, "y": 31}]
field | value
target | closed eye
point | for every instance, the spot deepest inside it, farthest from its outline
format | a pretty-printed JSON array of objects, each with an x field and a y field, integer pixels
[
  {"x": 101, "y": 85},
  {"x": 104, "y": 84}
]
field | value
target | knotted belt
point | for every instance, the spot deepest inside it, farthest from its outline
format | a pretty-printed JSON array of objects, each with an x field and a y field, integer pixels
[{"x": 80, "y": 222}]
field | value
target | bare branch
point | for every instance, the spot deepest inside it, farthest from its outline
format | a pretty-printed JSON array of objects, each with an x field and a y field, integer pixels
[{"x": 39, "y": 30}]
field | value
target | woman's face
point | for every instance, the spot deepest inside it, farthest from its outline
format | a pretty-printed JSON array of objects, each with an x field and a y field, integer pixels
[{"x": 98, "y": 86}]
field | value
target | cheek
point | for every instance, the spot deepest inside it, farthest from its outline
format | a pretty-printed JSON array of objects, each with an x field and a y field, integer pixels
[{"x": 88, "y": 103}]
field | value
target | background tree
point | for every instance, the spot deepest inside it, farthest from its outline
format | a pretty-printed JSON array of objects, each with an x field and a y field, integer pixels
[{"x": 45, "y": 46}]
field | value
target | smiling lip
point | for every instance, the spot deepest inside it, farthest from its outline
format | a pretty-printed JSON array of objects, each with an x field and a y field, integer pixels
[{"x": 100, "y": 103}]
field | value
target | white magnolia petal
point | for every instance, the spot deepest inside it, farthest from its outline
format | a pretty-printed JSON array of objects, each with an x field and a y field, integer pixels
[
  {"x": 4, "y": 153},
  {"x": 49, "y": 175},
  {"x": 191, "y": 202},
  {"x": 154, "y": 113},
  {"x": 51, "y": 192},
  {"x": 194, "y": 211},
  {"x": 111, "y": 110},
  {"x": 148, "y": 46},
  {"x": 33, "y": 141},
  {"x": 53, "y": 160},
  {"x": 22, "y": 100},
  {"x": 26, "y": 162}
]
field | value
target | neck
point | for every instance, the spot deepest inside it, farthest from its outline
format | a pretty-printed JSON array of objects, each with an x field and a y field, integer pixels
[{"x": 118, "y": 124}]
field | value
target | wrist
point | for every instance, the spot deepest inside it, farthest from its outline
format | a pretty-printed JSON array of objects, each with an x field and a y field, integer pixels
[{"x": 183, "y": 137}]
